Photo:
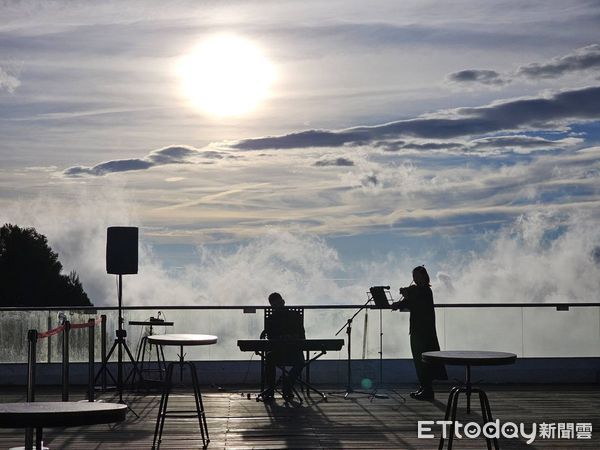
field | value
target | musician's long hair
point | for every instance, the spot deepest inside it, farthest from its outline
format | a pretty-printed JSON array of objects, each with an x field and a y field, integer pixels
[{"x": 420, "y": 276}]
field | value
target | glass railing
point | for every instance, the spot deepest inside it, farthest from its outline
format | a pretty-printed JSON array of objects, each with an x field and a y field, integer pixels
[{"x": 540, "y": 330}]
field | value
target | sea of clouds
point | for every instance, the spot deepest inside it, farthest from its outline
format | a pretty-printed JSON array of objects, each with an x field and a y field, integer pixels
[{"x": 544, "y": 256}]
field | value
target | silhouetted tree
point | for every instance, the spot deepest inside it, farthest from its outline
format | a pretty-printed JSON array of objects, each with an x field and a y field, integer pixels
[{"x": 30, "y": 273}]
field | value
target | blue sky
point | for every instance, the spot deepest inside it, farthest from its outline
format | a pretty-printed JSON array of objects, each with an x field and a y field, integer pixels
[{"x": 393, "y": 134}]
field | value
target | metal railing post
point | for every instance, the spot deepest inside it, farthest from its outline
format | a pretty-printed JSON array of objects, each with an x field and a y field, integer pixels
[
  {"x": 65, "y": 362},
  {"x": 103, "y": 348},
  {"x": 31, "y": 361},
  {"x": 92, "y": 323}
]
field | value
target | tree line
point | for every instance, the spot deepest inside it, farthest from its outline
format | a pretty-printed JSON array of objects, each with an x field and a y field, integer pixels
[{"x": 31, "y": 274}]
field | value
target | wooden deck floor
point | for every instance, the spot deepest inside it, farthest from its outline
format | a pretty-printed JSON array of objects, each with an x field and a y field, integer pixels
[{"x": 236, "y": 422}]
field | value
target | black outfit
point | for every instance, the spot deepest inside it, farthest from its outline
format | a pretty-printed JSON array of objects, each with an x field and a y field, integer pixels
[
  {"x": 423, "y": 337},
  {"x": 284, "y": 324}
]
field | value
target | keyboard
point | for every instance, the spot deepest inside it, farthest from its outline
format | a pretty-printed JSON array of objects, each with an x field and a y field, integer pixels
[{"x": 311, "y": 345}]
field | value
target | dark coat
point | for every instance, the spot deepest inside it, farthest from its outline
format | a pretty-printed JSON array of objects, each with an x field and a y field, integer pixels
[{"x": 423, "y": 337}]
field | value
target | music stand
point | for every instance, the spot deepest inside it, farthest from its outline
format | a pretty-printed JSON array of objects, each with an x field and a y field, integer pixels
[
  {"x": 379, "y": 294},
  {"x": 380, "y": 299}
]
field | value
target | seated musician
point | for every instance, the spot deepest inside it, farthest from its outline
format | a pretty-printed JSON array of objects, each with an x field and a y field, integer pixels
[{"x": 283, "y": 325}]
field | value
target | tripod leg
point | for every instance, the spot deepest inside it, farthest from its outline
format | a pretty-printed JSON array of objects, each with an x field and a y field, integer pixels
[
  {"x": 139, "y": 358},
  {"x": 104, "y": 366},
  {"x": 135, "y": 366}
]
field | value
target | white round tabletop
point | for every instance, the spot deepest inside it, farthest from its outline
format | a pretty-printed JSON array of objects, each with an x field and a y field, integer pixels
[
  {"x": 182, "y": 339},
  {"x": 59, "y": 414}
]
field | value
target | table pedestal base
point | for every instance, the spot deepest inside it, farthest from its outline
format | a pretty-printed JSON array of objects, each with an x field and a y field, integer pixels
[
  {"x": 452, "y": 406},
  {"x": 164, "y": 400}
]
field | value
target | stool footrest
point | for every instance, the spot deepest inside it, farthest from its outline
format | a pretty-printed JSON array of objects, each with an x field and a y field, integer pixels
[{"x": 181, "y": 414}]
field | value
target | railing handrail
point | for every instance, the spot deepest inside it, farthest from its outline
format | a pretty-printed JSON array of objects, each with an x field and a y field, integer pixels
[{"x": 311, "y": 306}]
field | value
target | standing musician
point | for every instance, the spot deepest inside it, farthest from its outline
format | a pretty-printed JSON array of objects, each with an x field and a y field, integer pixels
[
  {"x": 283, "y": 325},
  {"x": 418, "y": 299}
]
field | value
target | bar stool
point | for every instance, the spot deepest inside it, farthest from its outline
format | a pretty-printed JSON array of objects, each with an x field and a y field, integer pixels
[
  {"x": 468, "y": 358},
  {"x": 181, "y": 340}
]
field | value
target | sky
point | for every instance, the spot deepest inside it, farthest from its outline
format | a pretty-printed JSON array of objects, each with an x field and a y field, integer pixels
[{"x": 380, "y": 136}]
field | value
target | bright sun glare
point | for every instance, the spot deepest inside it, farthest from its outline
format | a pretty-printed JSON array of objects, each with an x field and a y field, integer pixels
[{"x": 226, "y": 76}]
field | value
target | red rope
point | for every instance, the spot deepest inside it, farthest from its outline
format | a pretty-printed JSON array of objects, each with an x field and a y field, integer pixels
[
  {"x": 51, "y": 332},
  {"x": 74, "y": 326},
  {"x": 61, "y": 328}
]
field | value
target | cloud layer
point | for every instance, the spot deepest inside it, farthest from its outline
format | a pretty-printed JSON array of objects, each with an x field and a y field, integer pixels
[{"x": 546, "y": 112}]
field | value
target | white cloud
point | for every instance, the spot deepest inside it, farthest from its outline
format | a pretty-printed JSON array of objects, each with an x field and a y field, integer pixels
[
  {"x": 173, "y": 154},
  {"x": 8, "y": 82},
  {"x": 545, "y": 257}
]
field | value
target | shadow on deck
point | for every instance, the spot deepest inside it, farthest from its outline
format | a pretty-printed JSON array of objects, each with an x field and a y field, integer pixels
[{"x": 235, "y": 421}]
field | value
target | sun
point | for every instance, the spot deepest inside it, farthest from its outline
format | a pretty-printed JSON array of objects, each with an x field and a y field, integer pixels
[{"x": 225, "y": 76}]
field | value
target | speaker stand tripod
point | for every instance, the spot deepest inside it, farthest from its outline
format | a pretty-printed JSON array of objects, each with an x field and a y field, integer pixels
[{"x": 119, "y": 344}]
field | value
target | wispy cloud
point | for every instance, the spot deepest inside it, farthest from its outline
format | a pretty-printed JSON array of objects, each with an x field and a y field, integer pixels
[
  {"x": 517, "y": 143},
  {"x": 521, "y": 143},
  {"x": 460, "y": 130},
  {"x": 179, "y": 154},
  {"x": 582, "y": 59},
  {"x": 543, "y": 112}
]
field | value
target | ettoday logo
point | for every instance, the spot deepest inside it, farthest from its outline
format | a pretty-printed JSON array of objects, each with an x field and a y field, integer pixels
[{"x": 507, "y": 430}]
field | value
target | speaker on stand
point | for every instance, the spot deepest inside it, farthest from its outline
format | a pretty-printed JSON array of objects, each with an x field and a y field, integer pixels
[{"x": 121, "y": 259}]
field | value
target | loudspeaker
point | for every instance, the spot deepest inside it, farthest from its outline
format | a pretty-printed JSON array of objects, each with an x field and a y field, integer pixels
[{"x": 122, "y": 250}]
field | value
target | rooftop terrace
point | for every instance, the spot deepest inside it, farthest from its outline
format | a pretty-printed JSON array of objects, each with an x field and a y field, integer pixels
[
  {"x": 235, "y": 421},
  {"x": 556, "y": 379}
]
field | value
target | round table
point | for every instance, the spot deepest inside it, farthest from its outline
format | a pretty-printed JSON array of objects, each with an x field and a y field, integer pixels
[
  {"x": 468, "y": 358},
  {"x": 58, "y": 414},
  {"x": 181, "y": 340}
]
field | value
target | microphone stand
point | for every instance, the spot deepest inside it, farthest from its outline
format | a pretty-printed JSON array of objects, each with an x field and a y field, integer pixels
[{"x": 348, "y": 327}]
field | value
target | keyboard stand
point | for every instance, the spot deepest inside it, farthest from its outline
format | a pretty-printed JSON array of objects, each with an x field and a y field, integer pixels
[{"x": 284, "y": 374}]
